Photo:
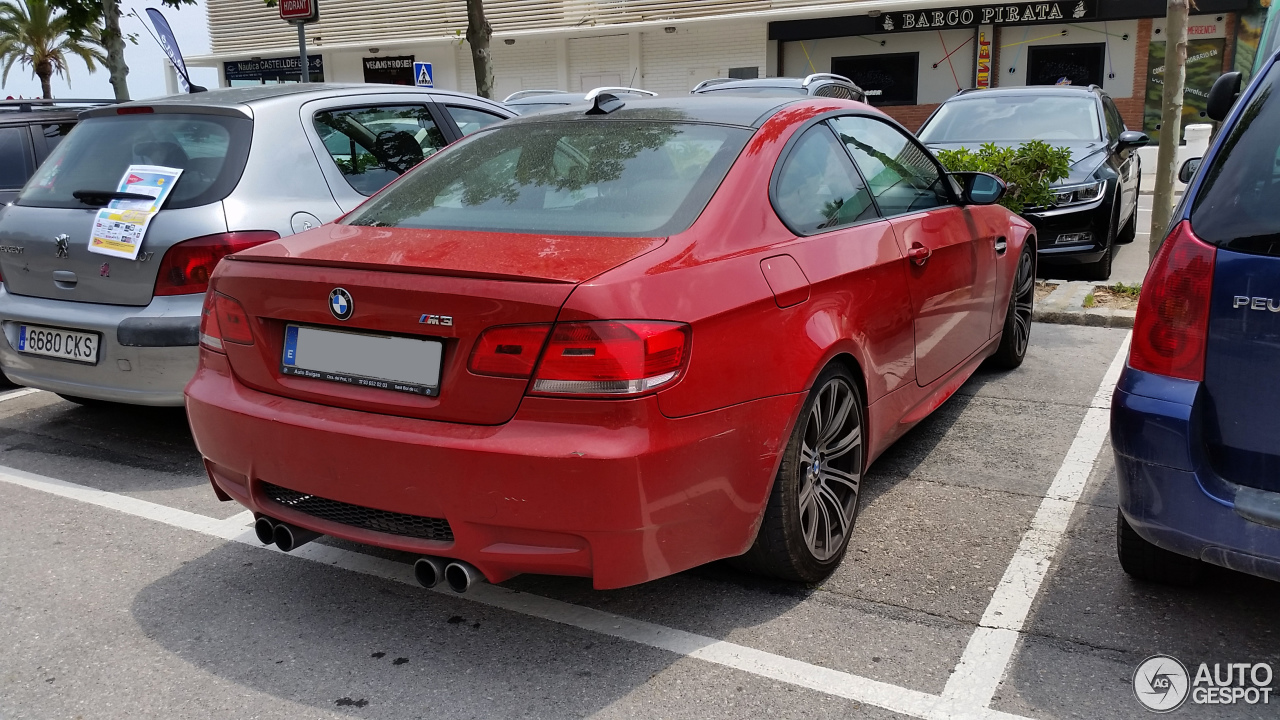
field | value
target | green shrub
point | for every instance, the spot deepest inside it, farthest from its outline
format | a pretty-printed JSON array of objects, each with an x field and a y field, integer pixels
[{"x": 1028, "y": 169}]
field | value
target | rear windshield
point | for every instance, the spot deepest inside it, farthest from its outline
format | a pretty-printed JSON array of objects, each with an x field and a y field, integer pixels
[
  {"x": 1237, "y": 206},
  {"x": 210, "y": 150},
  {"x": 1006, "y": 118},
  {"x": 580, "y": 177}
]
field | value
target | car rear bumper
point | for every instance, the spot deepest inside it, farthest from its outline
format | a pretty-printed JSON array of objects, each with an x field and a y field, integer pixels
[
  {"x": 612, "y": 490},
  {"x": 1169, "y": 493},
  {"x": 146, "y": 354}
]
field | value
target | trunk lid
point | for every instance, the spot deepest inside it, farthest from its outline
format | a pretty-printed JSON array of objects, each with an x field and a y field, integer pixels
[
  {"x": 1241, "y": 401},
  {"x": 398, "y": 279},
  {"x": 47, "y": 253},
  {"x": 47, "y": 228}
]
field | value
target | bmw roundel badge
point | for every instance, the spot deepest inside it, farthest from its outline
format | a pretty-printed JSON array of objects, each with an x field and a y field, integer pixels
[{"x": 341, "y": 304}]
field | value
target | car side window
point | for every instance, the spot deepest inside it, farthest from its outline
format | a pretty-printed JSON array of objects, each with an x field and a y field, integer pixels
[
  {"x": 15, "y": 166},
  {"x": 374, "y": 145},
  {"x": 470, "y": 120},
  {"x": 53, "y": 134},
  {"x": 902, "y": 175},
  {"x": 1115, "y": 124},
  {"x": 818, "y": 188}
]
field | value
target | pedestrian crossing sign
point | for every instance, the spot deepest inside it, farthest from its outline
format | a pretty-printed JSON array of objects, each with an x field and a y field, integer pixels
[{"x": 422, "y": 75}]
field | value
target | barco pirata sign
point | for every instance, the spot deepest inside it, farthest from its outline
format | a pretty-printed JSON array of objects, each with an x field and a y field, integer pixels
[
  {"x": 1009, "y": 14},
  {"x": 299, "y": 10}
]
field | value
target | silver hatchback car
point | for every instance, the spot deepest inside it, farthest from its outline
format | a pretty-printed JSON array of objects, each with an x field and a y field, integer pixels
[{"x": 257, "y": 163}]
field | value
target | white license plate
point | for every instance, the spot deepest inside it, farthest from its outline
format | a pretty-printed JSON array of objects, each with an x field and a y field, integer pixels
[
  {"x": 377, "y": 361},
  {"x": 81, "y": 347}
]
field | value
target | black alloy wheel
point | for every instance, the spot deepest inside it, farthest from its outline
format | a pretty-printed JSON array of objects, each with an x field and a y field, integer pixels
[
  {"x": 1016, "y": 336},
  {"x": 814, "y": 502}
]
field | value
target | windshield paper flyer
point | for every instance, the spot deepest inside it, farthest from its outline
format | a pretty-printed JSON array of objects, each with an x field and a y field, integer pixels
[{"x": 120, "y": 226}]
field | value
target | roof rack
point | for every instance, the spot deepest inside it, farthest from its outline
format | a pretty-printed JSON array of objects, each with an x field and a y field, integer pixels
[
  {"x": 29, "y": 105},
  {"x": 823, "y": 76},
  {"x": 709, "y": 83},
  {"x": 531, "y": 93},
  {"x": 615, "y": 90}
]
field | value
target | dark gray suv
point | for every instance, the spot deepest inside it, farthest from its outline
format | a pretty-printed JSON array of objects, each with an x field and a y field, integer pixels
[
  {"x": 29, "y": 131},
  {"x": 815, "y": 85}
]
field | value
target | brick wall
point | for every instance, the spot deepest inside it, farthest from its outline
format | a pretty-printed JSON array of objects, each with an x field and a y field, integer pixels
[
  {"x": 911, "y": 116},
  {"x": 1131, "y": 108}
]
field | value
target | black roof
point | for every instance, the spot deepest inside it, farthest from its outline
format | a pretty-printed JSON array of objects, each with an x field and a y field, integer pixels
[{"x": 741, "y": 110}]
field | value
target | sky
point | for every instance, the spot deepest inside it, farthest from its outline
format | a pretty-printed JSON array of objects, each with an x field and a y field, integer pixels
[{"x": 145, "y": 59}]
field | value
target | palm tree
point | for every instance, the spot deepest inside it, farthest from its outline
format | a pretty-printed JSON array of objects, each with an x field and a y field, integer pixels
[{"x": 33, "y": 36}]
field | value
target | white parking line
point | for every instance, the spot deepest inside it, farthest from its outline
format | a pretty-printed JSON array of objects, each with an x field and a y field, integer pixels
[
  {"x": 967, "y": 694},
  {"x": 740, "y": 657},
  {"x": 987, "y": 656},
  {"x": 18, "y": 393}
]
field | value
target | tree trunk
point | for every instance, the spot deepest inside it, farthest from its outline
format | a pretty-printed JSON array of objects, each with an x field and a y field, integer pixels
[
  {"x": 478, "y": 34},
  {"x": 45, "y": 86},
  {"x": 1175, "y": 77},
  {"x": 114, "y": 43}
]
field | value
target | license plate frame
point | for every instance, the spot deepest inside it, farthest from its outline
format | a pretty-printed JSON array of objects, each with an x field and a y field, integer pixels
[
  {"x": 63, "y": 339},
  {"x": 352, "y": 357}
]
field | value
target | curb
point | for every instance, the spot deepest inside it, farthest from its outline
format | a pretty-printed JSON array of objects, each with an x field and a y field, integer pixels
[{"x": 1065, "y": 306}]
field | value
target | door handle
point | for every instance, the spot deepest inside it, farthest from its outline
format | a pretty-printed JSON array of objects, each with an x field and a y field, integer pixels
[
  {"x": 919, "y": 254},
  {"x": 1001, "y": 245}
]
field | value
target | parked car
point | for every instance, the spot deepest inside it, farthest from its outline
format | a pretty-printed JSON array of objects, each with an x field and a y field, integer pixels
[
  {"x": 815, "y": 85},
  {"x": 1196, "y": 414},
  {"x": 1096, "y": 206},
  {"x": 29, "y": 131},
  {"x": 531, "y": 101},
  {"x": 257, "y": 164},
  {"x": 619, "y": 328}
]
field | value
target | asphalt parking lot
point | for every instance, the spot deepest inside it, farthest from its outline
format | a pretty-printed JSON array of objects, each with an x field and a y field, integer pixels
[{"x": 981, "y": 582}]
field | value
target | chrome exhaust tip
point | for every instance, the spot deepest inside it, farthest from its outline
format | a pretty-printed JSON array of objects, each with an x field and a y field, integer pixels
[
  {"x": 288, "y": 537},
  {"x": 265, "y": 528},
  {"x": 462, "y": 575},
  {"x": 429, "y": 571}
]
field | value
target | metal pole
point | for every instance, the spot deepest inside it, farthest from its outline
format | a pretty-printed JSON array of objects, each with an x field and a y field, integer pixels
[{"x": 304, "y": 72}]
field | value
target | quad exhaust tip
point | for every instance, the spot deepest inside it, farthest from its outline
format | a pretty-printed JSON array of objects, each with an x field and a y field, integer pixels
[
  {"x": 265, "y": 528},
  {"x": 429, "y": 571},
  {"x": 461, "y": 576},
  {"x": 288, "y": 537}
]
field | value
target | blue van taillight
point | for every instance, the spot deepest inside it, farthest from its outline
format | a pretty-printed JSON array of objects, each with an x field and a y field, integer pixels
[{"x": 1173, "y": 312}]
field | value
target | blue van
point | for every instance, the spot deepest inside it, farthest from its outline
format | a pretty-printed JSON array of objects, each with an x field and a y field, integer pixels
[{"x": 1195, "y": 420}]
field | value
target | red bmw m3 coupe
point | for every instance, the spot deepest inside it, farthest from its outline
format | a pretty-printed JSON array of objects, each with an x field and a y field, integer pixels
[{"x": 615, "y": 341}]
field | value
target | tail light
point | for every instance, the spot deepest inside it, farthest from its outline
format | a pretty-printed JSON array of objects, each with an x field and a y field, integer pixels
[
  {"x": 223, "y": 320},
  {"x": 1173, "y": 312},
  {"x": 611, "y": 358},
  {"x": 508, "y": 351},
  {"x": 186, "y": 266}
]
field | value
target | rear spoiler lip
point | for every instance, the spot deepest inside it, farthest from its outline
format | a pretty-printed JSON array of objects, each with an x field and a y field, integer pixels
[
  {"x": 163, "y": 108},
  {"x": 378, "y": 267}
]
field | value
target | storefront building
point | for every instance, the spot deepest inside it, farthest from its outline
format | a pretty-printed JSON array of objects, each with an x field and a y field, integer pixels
[{"x": 909, "y": 55}]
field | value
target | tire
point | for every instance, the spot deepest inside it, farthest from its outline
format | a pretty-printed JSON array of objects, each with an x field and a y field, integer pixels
[
  {"x": 797, "y": 540},
  {"x": 1015, "y": 337},
  {"x": 1101, "y": 269},
  {"x": 1144, "y": 561}
]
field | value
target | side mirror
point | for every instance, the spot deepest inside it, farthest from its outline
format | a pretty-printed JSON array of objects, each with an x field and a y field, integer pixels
[
  {"x": 978, "y": 188},
  {"x": 1188, "y": 169},
  {"x": 1223, "y": 95},
  {"x": 1133, "y": 139}
]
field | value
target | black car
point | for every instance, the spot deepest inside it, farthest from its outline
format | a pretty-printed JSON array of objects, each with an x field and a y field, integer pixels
[
  {"x": 1096, "y": 206},
  {"x": 29, "y": 131},
  {"x": 816, "y": 85}
]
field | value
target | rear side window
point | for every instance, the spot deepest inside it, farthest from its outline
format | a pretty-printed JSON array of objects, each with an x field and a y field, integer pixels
[
  {"x": 210, "y": 149},
  {"x": 374, "y": 145},
  {"x": 15, "y": 167},
  {"x": 1236, "y": 207},
  {"x": 902, "y": 175},
  {"x": 470, "y": 120},
  {"x": 817, "y": 188},
  {"x": 582, "y": 177},
  {"x": 54, "y": 135}
]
